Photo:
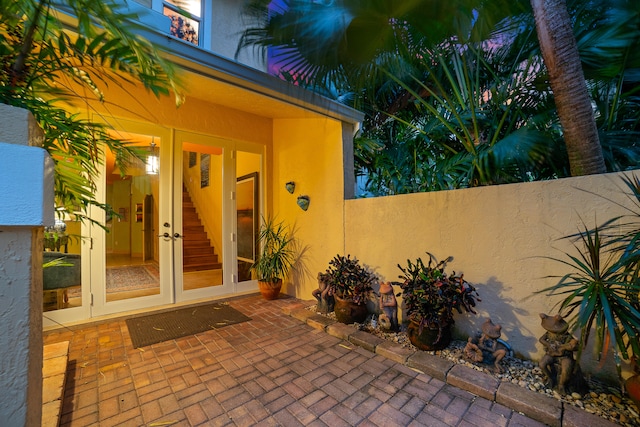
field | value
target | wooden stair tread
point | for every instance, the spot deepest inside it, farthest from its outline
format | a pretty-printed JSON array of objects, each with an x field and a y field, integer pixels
[{"x": 197, "y": 254}]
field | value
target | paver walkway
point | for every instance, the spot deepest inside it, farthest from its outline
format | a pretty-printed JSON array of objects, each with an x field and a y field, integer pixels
[{"x": 272, "y": 370}]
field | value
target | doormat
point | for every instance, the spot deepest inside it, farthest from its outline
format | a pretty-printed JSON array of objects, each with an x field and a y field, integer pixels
[{"x": 155, "y": 328}]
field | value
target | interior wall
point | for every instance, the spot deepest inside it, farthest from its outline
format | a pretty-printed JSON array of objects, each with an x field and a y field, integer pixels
[
  {"x": 309, "y": 153},
  {"x": 125, "y": 233},
  {"x": 208, "y": 200},
  {"x": 119, "y": 237},
  {"x": 140, "y": 186},
  {"x": 74, "y": 231},
  {"x": 247, "y": 163},
  {"x": 498, "y": 236}
]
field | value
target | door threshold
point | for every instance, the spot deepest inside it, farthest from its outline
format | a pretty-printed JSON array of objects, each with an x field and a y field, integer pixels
[{"x": 149, "y": 310}]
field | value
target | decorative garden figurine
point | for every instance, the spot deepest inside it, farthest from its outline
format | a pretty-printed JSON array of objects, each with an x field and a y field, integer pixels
[
  {"x": 486, "y": 348},
  {"x": 558, "y": 364},
  {"x": 324, "y": 295},
  {"x": 388, "y": 307}
]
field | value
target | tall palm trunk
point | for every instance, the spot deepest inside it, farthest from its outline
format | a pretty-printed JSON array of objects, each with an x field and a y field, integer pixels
[{"x": 566, "y": 77}]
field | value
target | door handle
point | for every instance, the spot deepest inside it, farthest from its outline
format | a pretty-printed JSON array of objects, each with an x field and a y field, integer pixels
[
  {"x": 177, "y": 236},
  {"x": 165, "y": 235}
]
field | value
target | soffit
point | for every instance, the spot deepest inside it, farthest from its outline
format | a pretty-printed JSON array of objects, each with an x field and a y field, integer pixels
[
  {"x": 225, "y": 82},
  {"x": 228, "y": 83},
  {"x": 241, "y": 99}
]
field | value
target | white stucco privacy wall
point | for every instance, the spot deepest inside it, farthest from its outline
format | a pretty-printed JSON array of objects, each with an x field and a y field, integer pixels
[
  {"x": 497, "y": 235},
  {"x": 26, "y": 185}
]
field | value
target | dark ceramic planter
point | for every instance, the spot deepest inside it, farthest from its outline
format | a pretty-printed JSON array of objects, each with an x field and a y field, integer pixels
[
  {"x": 347, "y": 312},
  {"x": 427, "y": 339}
]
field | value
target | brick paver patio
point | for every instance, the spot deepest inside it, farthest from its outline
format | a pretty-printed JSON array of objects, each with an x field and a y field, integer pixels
[{"x": 274, "y": 370}]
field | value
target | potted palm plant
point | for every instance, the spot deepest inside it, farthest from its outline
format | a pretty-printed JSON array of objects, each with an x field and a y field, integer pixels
[
  {"x": 276, "y": 257},
  {"x": 430, "y": 296},
  {"x": 351, "y": 284}
]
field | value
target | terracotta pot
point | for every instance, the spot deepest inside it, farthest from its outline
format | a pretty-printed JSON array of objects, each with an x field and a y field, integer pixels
[
  {"x": 427, "y": 339},
  {"x": 348, "y": 312},
  {"x": 270, "y": 290},
  {"x": 632, "y": 385}
]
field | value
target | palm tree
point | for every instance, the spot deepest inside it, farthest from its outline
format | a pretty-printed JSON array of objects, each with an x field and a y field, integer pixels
[
  {"x": 610, "y": 54},
  {"x": 343, "y": 46},
  {"x": 373, "y": 56},
  {"x": 560, "y": 53},
  {"x": 474, "y": 125},
  {"x": 45, "y": 69}
]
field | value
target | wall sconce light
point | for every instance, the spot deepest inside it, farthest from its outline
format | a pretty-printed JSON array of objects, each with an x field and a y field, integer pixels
[
  {"x": 303, "y": 202},
  {"x": 152, "y": 165},
  {"x": 290, "y": 186}
]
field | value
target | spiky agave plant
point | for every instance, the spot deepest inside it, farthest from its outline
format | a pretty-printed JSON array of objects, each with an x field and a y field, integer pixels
[{"x": 599, "y": 295}]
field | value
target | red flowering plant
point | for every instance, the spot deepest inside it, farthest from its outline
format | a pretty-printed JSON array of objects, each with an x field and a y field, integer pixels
[{"x": 430, "y": 295}]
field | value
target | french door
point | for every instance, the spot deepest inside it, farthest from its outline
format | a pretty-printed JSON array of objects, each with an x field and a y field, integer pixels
[
  {"x": 184, "y": 225},
  {"x": 203, "y": 225},
  {"x": 131, "y": 263},
  {"x": 217, "y": 207}
]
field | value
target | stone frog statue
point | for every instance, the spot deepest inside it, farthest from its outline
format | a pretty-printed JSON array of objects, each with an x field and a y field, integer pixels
[
  {"x": 388, "y": 308},
  {"x": 558, "y": 365},
  {"x": 485, "y": 347},
  {"x": 324, "y": 295}
]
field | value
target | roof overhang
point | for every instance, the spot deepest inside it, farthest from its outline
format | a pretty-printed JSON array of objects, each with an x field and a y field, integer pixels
[{"x": 225, "y": 82}]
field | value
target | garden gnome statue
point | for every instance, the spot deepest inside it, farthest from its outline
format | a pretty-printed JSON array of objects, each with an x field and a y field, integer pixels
[
  {"x": 486, "y": 348},
  {"x": 326, "y": 302},
  {"x": 557, "y": 364},
  {"x": 389, "y": 308}
]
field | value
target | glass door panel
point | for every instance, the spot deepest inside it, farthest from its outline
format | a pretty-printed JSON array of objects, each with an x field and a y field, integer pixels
[
  {"x": 248, "y": 166},
  {"x": 62, "y": 265},
  {"x": 199, "y": 211},
  {"x": 131, "y": 245}
]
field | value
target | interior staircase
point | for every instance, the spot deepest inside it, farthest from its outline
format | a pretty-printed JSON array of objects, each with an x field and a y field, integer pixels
[{"x": 197, "y": 253}]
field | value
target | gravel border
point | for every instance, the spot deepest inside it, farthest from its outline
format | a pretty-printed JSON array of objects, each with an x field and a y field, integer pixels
[{"x": 604, "y": 400}]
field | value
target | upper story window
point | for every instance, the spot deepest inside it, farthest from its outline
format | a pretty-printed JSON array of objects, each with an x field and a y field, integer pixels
[{"x": 185, "y": 18}]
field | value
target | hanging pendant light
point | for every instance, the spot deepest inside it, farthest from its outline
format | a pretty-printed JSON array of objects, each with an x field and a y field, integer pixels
[{"x": 153, "y": 160}]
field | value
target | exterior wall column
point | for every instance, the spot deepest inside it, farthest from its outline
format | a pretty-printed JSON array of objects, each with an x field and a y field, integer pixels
[{"x": 26, "y": 185}]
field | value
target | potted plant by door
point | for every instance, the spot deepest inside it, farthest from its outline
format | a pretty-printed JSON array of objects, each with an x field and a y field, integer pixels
[
  {"x": 276, "y": 257},
  {"x": 351, "y": 285},
  {"x": 429, "y": 296}
]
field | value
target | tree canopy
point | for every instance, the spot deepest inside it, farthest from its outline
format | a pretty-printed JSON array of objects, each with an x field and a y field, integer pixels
[
  {"x": 58, "y": 55},
  {"x": 457, "y": 93}
]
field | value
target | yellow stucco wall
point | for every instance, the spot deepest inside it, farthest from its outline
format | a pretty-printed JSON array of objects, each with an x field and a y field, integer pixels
[
  {"x": 498, "y": 236},
  {"x": 194, "y": 115},
  {"x": 309, "y": 152}
]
